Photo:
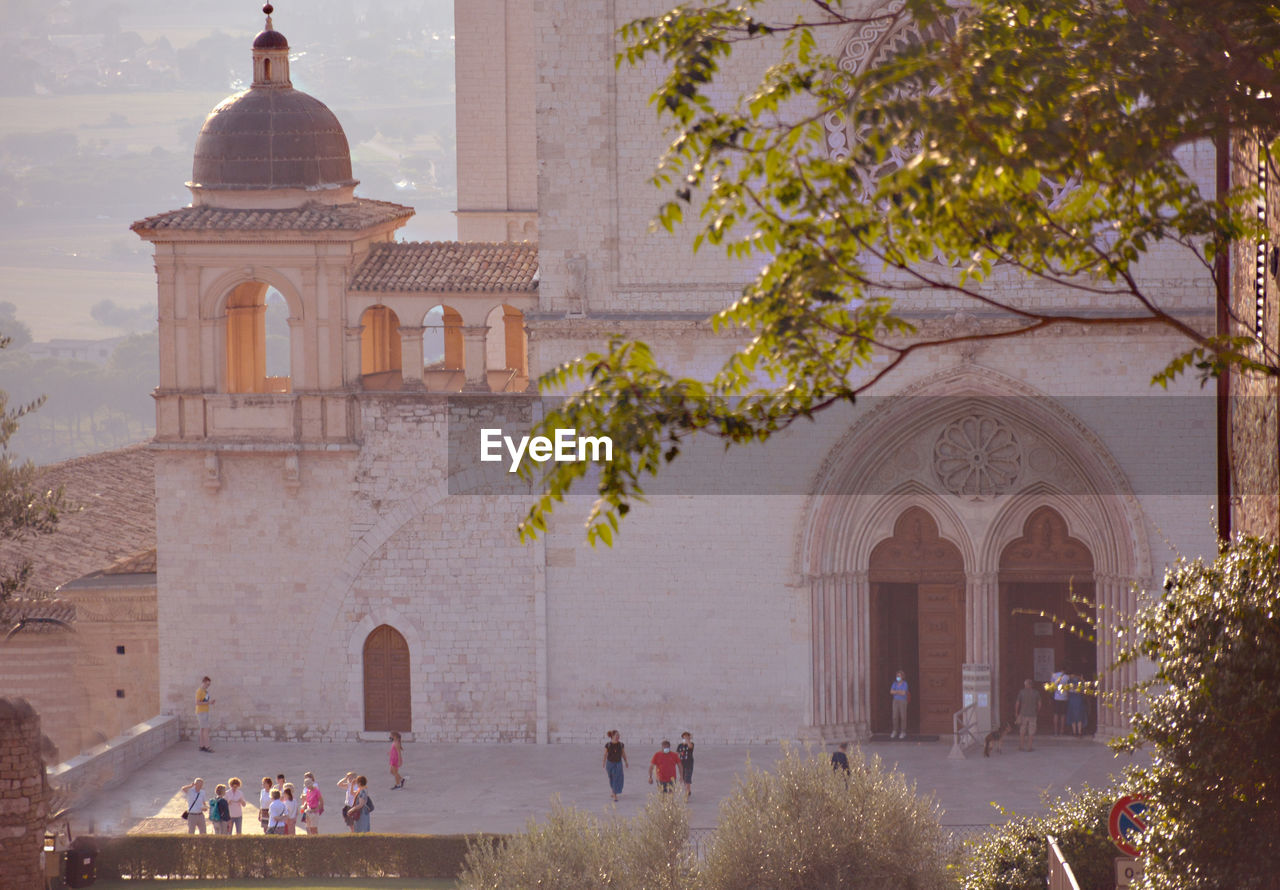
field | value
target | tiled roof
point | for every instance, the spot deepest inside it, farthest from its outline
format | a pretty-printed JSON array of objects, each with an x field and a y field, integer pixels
[
  {"x": 116, "y": 494},
  {"x": 449, "y": 267},
  {"x": 43, "y": 615},
  {"x": 142, "y": 563},
  {"x": 359, "y": 214}
]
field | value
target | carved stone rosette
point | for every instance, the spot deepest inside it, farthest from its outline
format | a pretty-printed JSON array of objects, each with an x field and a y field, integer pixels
[{"x": 977, "y": 455}]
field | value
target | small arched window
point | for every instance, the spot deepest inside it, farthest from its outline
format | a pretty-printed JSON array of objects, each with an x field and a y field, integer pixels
[{"x": 257, "y": 334}]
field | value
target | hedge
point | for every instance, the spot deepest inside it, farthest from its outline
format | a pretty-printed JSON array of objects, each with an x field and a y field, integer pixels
[{"x": 144, "y": 856}]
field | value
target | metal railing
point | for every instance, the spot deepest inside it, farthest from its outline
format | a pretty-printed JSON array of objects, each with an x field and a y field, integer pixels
[
  {"x": 963, "y": 726},
  {"x": 1060, "y": 875}
]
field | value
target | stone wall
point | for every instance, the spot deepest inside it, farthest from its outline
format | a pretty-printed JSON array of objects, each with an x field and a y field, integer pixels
[
  {"x": 115, "y": 760},
  {"x": 23, "y": 795}
]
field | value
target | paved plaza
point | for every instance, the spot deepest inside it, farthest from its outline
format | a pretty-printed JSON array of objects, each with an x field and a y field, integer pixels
[{"x": 453, "y": 788}]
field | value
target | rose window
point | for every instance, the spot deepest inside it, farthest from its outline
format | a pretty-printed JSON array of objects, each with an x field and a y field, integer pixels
[{"x": 977, "y": 456}]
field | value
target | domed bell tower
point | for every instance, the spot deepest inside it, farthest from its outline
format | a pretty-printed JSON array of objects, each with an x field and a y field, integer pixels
[{"x": 255, "y": 344}]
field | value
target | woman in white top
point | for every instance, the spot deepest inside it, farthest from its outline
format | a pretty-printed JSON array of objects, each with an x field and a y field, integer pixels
[
  {"x": 275, "y": 813},
  {"x": 290, "y": 809},
  {"x": 264, "y": 804},
  {"x": 348, "y": 784},
  {"x": 235, "y": 803}
]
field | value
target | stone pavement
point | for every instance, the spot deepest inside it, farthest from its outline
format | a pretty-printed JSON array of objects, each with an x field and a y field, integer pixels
[{"x": 453, "y": 789}]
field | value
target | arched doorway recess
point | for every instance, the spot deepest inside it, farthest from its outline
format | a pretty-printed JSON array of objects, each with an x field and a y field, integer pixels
[
  {"x": 1046, "y": 580},
  {"x": 917, "y": 623},
  {"x": 387, "y": 702}
]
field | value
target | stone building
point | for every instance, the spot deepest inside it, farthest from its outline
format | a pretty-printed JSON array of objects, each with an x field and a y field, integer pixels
[{"x": 315, "y": 527}]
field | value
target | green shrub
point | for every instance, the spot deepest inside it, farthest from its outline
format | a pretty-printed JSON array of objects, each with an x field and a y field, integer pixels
[
  {"x": 1015, "y": 856},
  {"x": 572, "y": 850},
  {"x": 256, "y": 856},
  {"x": 1213, "y": 723},
  {"x": 808, "y": 827}
]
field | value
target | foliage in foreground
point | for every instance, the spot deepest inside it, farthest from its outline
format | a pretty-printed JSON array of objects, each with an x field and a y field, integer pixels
[
  {"x": 25, "y": 509},
  {"x": 808, "y": 827},
  {"x": 168, "y": 856},
  {"x": 804, "y": 827},
  {"x": 572, "y": 850},
  {"x": 1016, "y": 148},
  {"x": 1214, "y": 728},
  {"x": 1015, "y": 856}
]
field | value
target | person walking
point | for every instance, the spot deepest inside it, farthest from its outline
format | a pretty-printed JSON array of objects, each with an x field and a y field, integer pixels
[
  {"x": 396, "y": 757},
  {"x": 615, "y": 758},
  {"x": 197, "y": 800},
  {"x": 203, "y": 717},
  {"x": 1025, "y": 710},
  {"x": 360, "y": 809},
  {"x": 666, "y": 763},
  {"x": 235, "y": 806},
  {"x": 900, "y": 692},
  {"x": 684, "y": 751}
]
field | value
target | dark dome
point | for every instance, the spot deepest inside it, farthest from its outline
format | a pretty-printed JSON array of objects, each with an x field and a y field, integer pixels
[
  {"x": 270, "y": 138},
  {"x": 270, "y": 40}
]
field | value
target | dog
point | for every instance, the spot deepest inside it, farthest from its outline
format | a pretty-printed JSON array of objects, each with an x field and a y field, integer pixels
[{"x": 995, "y": 739}]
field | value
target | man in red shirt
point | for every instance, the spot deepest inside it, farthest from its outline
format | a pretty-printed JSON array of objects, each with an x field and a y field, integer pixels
[{"x": 667, "y": 764}]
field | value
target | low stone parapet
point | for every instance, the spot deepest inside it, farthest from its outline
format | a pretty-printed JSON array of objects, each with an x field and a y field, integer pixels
[{"x": 112, "y": 762}]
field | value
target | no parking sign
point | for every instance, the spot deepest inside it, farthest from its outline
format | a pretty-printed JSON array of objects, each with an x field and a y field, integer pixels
[{"x": 1127, "y": 821}]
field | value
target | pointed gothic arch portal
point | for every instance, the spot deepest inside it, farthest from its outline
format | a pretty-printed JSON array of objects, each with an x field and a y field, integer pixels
[
  {"x": 387, "y": 701},
  {"x": 1046, "y": 578},
  {"x": 917, "y": 623}
]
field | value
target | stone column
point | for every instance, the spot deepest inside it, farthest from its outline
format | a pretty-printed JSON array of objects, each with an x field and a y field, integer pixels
[
  {"x": 475, "y": 358},
  {"x": 23, "y": 795},
  {"x": 1116, "y": 603},
  {"x": 839, "y": 640},
  {"x": 351, "y": 354},
  {"x": 411, "y": 355},
  {"x": 982, "y": 596}
]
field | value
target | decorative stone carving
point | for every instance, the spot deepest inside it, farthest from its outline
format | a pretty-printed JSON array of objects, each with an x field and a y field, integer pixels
[
  {"x": 977, "y": 455},
  {"x": 212, "y": 472}
]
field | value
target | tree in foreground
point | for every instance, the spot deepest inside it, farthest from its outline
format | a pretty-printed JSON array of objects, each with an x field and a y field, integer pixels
[
  {"x": 1007, "y": 142},
  {"x": 1213, "y": 725},
  {"x": 26, "y": 508},
  {"x": 809, "y": 827},
  {"x": 573, "y": 850}
]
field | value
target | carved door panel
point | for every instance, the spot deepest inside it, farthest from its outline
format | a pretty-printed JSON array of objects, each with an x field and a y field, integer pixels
[
  {"x": 386, "y": 682},
  {"x": 941, "y": 634}
]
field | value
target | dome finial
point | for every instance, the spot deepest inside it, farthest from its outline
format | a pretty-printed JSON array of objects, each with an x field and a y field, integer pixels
[{"x": 267, "y": 9}]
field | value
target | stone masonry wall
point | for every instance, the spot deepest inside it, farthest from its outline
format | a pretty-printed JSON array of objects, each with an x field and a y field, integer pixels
[
  {"x": 285, "y": 582},
  {"x": 23, "y": 792}
]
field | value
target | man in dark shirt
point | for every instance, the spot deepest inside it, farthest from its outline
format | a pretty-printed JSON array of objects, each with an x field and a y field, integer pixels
[
  {"x": 666, "y": 763},
  {"x": 840, "y": 759}
]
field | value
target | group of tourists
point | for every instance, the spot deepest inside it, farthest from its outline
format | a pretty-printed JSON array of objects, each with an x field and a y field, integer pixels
[
  {"x": 282, "y": 809},
  {"x": 666, "y": 766}
]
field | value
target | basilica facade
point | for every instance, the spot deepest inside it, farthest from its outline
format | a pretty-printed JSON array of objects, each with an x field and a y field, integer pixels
[{"x": 313, "y": 511}]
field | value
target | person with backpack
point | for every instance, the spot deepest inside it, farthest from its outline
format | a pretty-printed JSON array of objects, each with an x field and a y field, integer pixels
[
  {"x": 220, "y": 811},
  {"x": 358, "y": 815}
]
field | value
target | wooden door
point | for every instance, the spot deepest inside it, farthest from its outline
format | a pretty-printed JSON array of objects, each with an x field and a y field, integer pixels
[
  {"x": 941, "y": 642},
  {"x": 386, "y": 682}
]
